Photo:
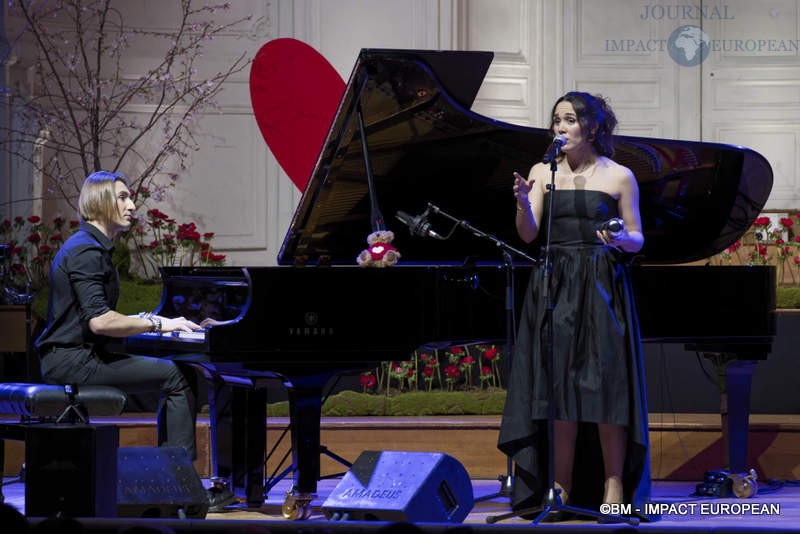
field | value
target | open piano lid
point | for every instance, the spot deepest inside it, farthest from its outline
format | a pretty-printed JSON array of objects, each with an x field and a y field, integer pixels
[{"x": 696, "y": 199}]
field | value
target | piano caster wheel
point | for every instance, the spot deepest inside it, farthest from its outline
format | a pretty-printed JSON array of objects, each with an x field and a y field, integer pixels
[{"x": 296, "y": 506}]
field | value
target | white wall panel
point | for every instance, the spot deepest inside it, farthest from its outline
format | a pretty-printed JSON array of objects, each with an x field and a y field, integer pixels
[
  {"x": 501, "y": 26},
  {"x": 226, "y": 192},
  {"x": 602, "y": 29},
  {"x": 751, "y": 96},
  {"x": 512, "y": 29},
  {"x": 779, "y": 144},
  {"x": 763, "y": 30},
  {"x": 614, "y": 48},
  {"x": 735, "y": 95}
]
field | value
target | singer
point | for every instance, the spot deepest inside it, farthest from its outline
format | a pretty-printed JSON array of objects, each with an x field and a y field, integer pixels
[{"x": 601, "y": 435}]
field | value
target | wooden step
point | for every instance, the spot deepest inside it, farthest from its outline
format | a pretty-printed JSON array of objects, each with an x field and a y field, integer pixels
[{"x": 682, "y": 446}]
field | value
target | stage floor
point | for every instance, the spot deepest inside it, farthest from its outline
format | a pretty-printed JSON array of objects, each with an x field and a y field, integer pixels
[{"x": 689, "y": 513}]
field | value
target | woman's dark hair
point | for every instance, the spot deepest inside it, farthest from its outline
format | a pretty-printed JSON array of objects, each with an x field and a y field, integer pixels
[{"x": 594, "y": 114}]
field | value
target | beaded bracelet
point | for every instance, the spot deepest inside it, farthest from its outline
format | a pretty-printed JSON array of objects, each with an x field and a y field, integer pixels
[{"x": 155, "y": 322}]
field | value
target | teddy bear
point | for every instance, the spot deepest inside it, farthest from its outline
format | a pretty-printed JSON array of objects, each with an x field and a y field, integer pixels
[{"x": 380, "y": 252}]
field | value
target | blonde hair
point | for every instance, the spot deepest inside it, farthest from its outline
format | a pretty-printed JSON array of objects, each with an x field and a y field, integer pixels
[{"x": 97, "y": 201}]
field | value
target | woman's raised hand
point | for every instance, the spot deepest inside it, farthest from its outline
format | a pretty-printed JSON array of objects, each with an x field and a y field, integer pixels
[{"x": 522, "y": 186}]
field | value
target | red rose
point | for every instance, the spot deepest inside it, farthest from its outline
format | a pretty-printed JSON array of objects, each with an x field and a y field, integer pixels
[
  {"x": 18, "y": 268},
  {"x": 189, "y": 235},
  {"x": 368, "y": 381},
  {"x": 56, "y": 238},
  {"x": 7, "y": 223},
  {"x": 73, "y": 224},
  {"x": 205, "y": 246},
  {"x": 17, "y": 219},
  {"x": 467, "y": 360},
  {"x": 154, "y": 244},
  {"x": 217, "y": 257},
  {"x": 490, "y": 354},
  {"x": 428, "y": 371},
  {"x": 797, "y": 260},
  {"x": 452, "y": 370},
  {"x": 208, "y": 235},
  {"x": 34, "y": 238},
  {"x": 155, "y": 224},
  {"x": 44, "y": 249},
  {"x": 786, "y": 222},
  {"x": 37, "y": 259},
  {"x": 779, "y": 241},
  {"x": 762, "y": 250},
  {"x": 58, "y": 221},
  {"x": 457, "y": 350},
  {"x": 486, "y": 370},
  {"x": 33, "y": 219},
  {"x": 410, "y": 372}
]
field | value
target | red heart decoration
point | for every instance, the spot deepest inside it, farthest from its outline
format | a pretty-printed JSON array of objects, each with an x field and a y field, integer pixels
[{"x": 295, "y": 94}]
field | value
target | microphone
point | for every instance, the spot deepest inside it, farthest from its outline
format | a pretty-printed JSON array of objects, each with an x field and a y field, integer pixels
[
  {"x": 555, "y": 148},
  {"x": 418, "y": 225},
  {"x": 613, "y": 226}
]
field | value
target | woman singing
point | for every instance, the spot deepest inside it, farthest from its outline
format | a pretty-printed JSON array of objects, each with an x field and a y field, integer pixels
[{"x": 601, "y": 439}]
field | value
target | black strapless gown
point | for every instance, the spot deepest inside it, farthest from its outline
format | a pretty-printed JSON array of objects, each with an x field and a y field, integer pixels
[{"x": 598, "y": 360}]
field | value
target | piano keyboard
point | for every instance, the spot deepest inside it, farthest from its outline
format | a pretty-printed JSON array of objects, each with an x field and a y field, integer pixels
[{"x": 199, "y": 335}]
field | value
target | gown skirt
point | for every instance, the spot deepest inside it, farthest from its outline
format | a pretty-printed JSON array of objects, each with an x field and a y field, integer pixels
[{"x": 598, "y": 374}]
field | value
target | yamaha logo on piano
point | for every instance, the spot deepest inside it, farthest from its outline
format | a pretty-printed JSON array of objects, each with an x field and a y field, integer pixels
[{"x": 311, "y": 327}]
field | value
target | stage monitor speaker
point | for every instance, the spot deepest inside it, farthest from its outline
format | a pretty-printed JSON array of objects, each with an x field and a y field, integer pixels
[
  {"x": 402, "y": 486},
  {"x": 70, "y": 470},
  {"x": 159, "y": 482}
]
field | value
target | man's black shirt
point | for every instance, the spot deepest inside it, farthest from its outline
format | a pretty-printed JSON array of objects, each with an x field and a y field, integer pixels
[{"x": 83, "y": 284}]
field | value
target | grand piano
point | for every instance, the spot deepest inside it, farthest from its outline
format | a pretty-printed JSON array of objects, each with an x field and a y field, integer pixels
[{"x": 404, "y": 136}]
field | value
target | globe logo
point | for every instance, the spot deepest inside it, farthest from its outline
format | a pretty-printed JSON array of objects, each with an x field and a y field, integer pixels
[{"x": 688, "y": 46}]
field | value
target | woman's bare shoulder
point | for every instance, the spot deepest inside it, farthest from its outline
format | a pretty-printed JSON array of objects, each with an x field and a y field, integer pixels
[{"x": 616, "y": 171}]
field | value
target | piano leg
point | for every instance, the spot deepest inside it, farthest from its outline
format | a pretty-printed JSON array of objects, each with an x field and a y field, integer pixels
[
  {"x": 739, "y": 374},
  {"x": 305, "y": 405},
  {"x": 239, "y": 438}
]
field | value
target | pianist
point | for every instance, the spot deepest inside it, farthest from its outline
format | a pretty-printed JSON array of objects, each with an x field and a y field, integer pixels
[
  {"x": 601, "y": 440},
  {"x": 80, "y": 319}
]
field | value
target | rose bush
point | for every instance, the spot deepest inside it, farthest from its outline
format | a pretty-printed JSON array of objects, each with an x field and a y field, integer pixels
[{"x": 456, "y": 367}]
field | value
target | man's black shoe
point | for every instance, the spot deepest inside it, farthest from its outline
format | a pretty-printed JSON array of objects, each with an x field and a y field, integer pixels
[{"x": 219, "y": 498}]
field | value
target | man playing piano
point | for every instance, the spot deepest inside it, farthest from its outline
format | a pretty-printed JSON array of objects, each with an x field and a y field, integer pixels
[
  {"x": 81, "y": 319},
  {"x": 601, "y": 440}
]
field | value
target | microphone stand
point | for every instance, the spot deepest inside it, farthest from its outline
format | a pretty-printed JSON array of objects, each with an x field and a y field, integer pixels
[
  {"x": 552, "y": 500},
  {"x": 506, "y": 480}
]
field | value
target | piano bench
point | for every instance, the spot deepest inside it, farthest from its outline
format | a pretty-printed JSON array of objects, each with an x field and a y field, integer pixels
[
  {"x": 43, "y": 401},
  {"x": 54, "y": 426}
]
